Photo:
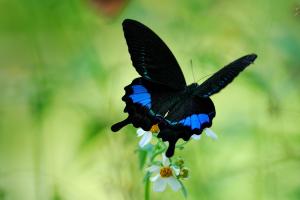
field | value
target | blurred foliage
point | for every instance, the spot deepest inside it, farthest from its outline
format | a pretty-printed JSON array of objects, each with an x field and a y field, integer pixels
[{"x": 63, "y": 66}]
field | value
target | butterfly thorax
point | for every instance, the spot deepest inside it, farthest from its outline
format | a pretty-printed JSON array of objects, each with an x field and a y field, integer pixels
[
  {"x": 185, "y": 103},
  {"x": 190, "y": 89}
]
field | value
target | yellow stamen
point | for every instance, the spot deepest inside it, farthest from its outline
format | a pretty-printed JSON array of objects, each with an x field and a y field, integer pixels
[
  {"x": 165, "y": 172},
  {"x": 154, "y": 128}
]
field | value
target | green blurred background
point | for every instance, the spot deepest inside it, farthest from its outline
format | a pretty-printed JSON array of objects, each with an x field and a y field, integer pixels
[{"x": 63, "y": 66}]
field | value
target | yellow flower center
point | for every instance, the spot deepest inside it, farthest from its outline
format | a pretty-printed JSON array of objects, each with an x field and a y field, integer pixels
[
  {"x": 154, "y": 128},
  {"x": 165, "y": 172}
]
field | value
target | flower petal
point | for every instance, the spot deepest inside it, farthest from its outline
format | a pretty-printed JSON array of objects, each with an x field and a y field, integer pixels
[
  {"x": 140, "y": 132},
  {"x": 154, "y": 178},
  {"x": 211, "y": 134},
  {"x": 174, "y": 183},
  {"x": 153, "y": 168},
  {"x": 196, "y": 137},
  {"x": 165, "y": 160},
  {"x": 159, "y": 185},
  {"x": 146, "y": 138}
]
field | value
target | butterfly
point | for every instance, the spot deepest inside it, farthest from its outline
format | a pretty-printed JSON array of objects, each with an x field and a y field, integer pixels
[{"x": 161, "y": 96}]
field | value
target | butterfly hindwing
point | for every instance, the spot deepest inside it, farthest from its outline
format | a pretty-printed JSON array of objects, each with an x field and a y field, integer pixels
[
  {"x": 190, "y": 115},
  {"x": 146, "y": 104},
  {"x": 151, "y": 57},
  {"x": 140, "y": 95}
]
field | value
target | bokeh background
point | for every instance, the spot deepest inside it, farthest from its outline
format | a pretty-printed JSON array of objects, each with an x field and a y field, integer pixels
[{"x": 63, "y": 66}]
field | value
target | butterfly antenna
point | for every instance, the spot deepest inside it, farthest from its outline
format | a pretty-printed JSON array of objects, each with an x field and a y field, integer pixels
[
  {"x": 203, "y": 77},
  {"x": 191, "y": 62}
]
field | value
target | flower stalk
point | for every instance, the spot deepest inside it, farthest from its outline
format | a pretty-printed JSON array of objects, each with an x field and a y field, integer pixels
[{"x": 147, "y": 188}]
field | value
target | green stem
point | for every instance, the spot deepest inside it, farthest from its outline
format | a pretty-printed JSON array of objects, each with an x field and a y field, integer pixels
[
  {"x": 158, "y": 152},
  {"x": 147, "y": 190}
]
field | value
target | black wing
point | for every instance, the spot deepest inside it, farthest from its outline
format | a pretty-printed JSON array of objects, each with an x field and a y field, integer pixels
[
  {"x": 151, "y": 57},
  {"x": 186, "y": 118},
  {"x": 146, "y": 103},
  {"x": 223, "y": 77}
]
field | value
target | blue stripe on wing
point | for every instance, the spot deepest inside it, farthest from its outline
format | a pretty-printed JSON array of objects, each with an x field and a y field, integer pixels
[
  {"x": 140, "y": 95},
  {"x": 187, "y": 121},
  {"x": 139, "y": 89},
  {"x": 203, "y": 118},
  {"x": 195, "y": 121}
]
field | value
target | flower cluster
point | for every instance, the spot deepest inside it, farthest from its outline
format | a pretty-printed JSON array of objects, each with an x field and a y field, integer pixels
[{"x": 164, "y": 172}]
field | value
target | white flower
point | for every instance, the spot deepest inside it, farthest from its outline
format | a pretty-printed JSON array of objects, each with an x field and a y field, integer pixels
[
  {"x": 146, "y": 137},
  {"x": 196, "y": 137},
  {"x": 164, "y": 175},
  {"x": 208, "y": 132}
]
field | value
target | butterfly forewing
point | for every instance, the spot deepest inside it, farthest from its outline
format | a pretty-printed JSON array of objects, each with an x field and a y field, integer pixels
[
  {"x": 223, "y": 77},
  {"x": 151, "y": 57}
]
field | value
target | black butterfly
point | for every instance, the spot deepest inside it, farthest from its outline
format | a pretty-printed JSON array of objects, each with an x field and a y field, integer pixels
[{"x": 161, "y": 96}]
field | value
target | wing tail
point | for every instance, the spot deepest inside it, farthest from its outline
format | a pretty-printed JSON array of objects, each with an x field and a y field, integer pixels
[{"x": 118, "y": 126}]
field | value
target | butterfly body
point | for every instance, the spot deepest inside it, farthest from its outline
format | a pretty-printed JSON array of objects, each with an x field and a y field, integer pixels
[{"x": 161, "y": 96}]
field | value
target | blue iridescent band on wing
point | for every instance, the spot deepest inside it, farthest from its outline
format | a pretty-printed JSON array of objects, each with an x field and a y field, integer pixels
[
  {"x": 140, "y": 95},
  {"x": 195, "y": 121}
]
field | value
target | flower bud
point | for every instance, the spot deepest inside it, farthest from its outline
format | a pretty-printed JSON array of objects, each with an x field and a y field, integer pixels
[
  {"x": 179, "y": 162},
  {"x": 184, "y": 173}
]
